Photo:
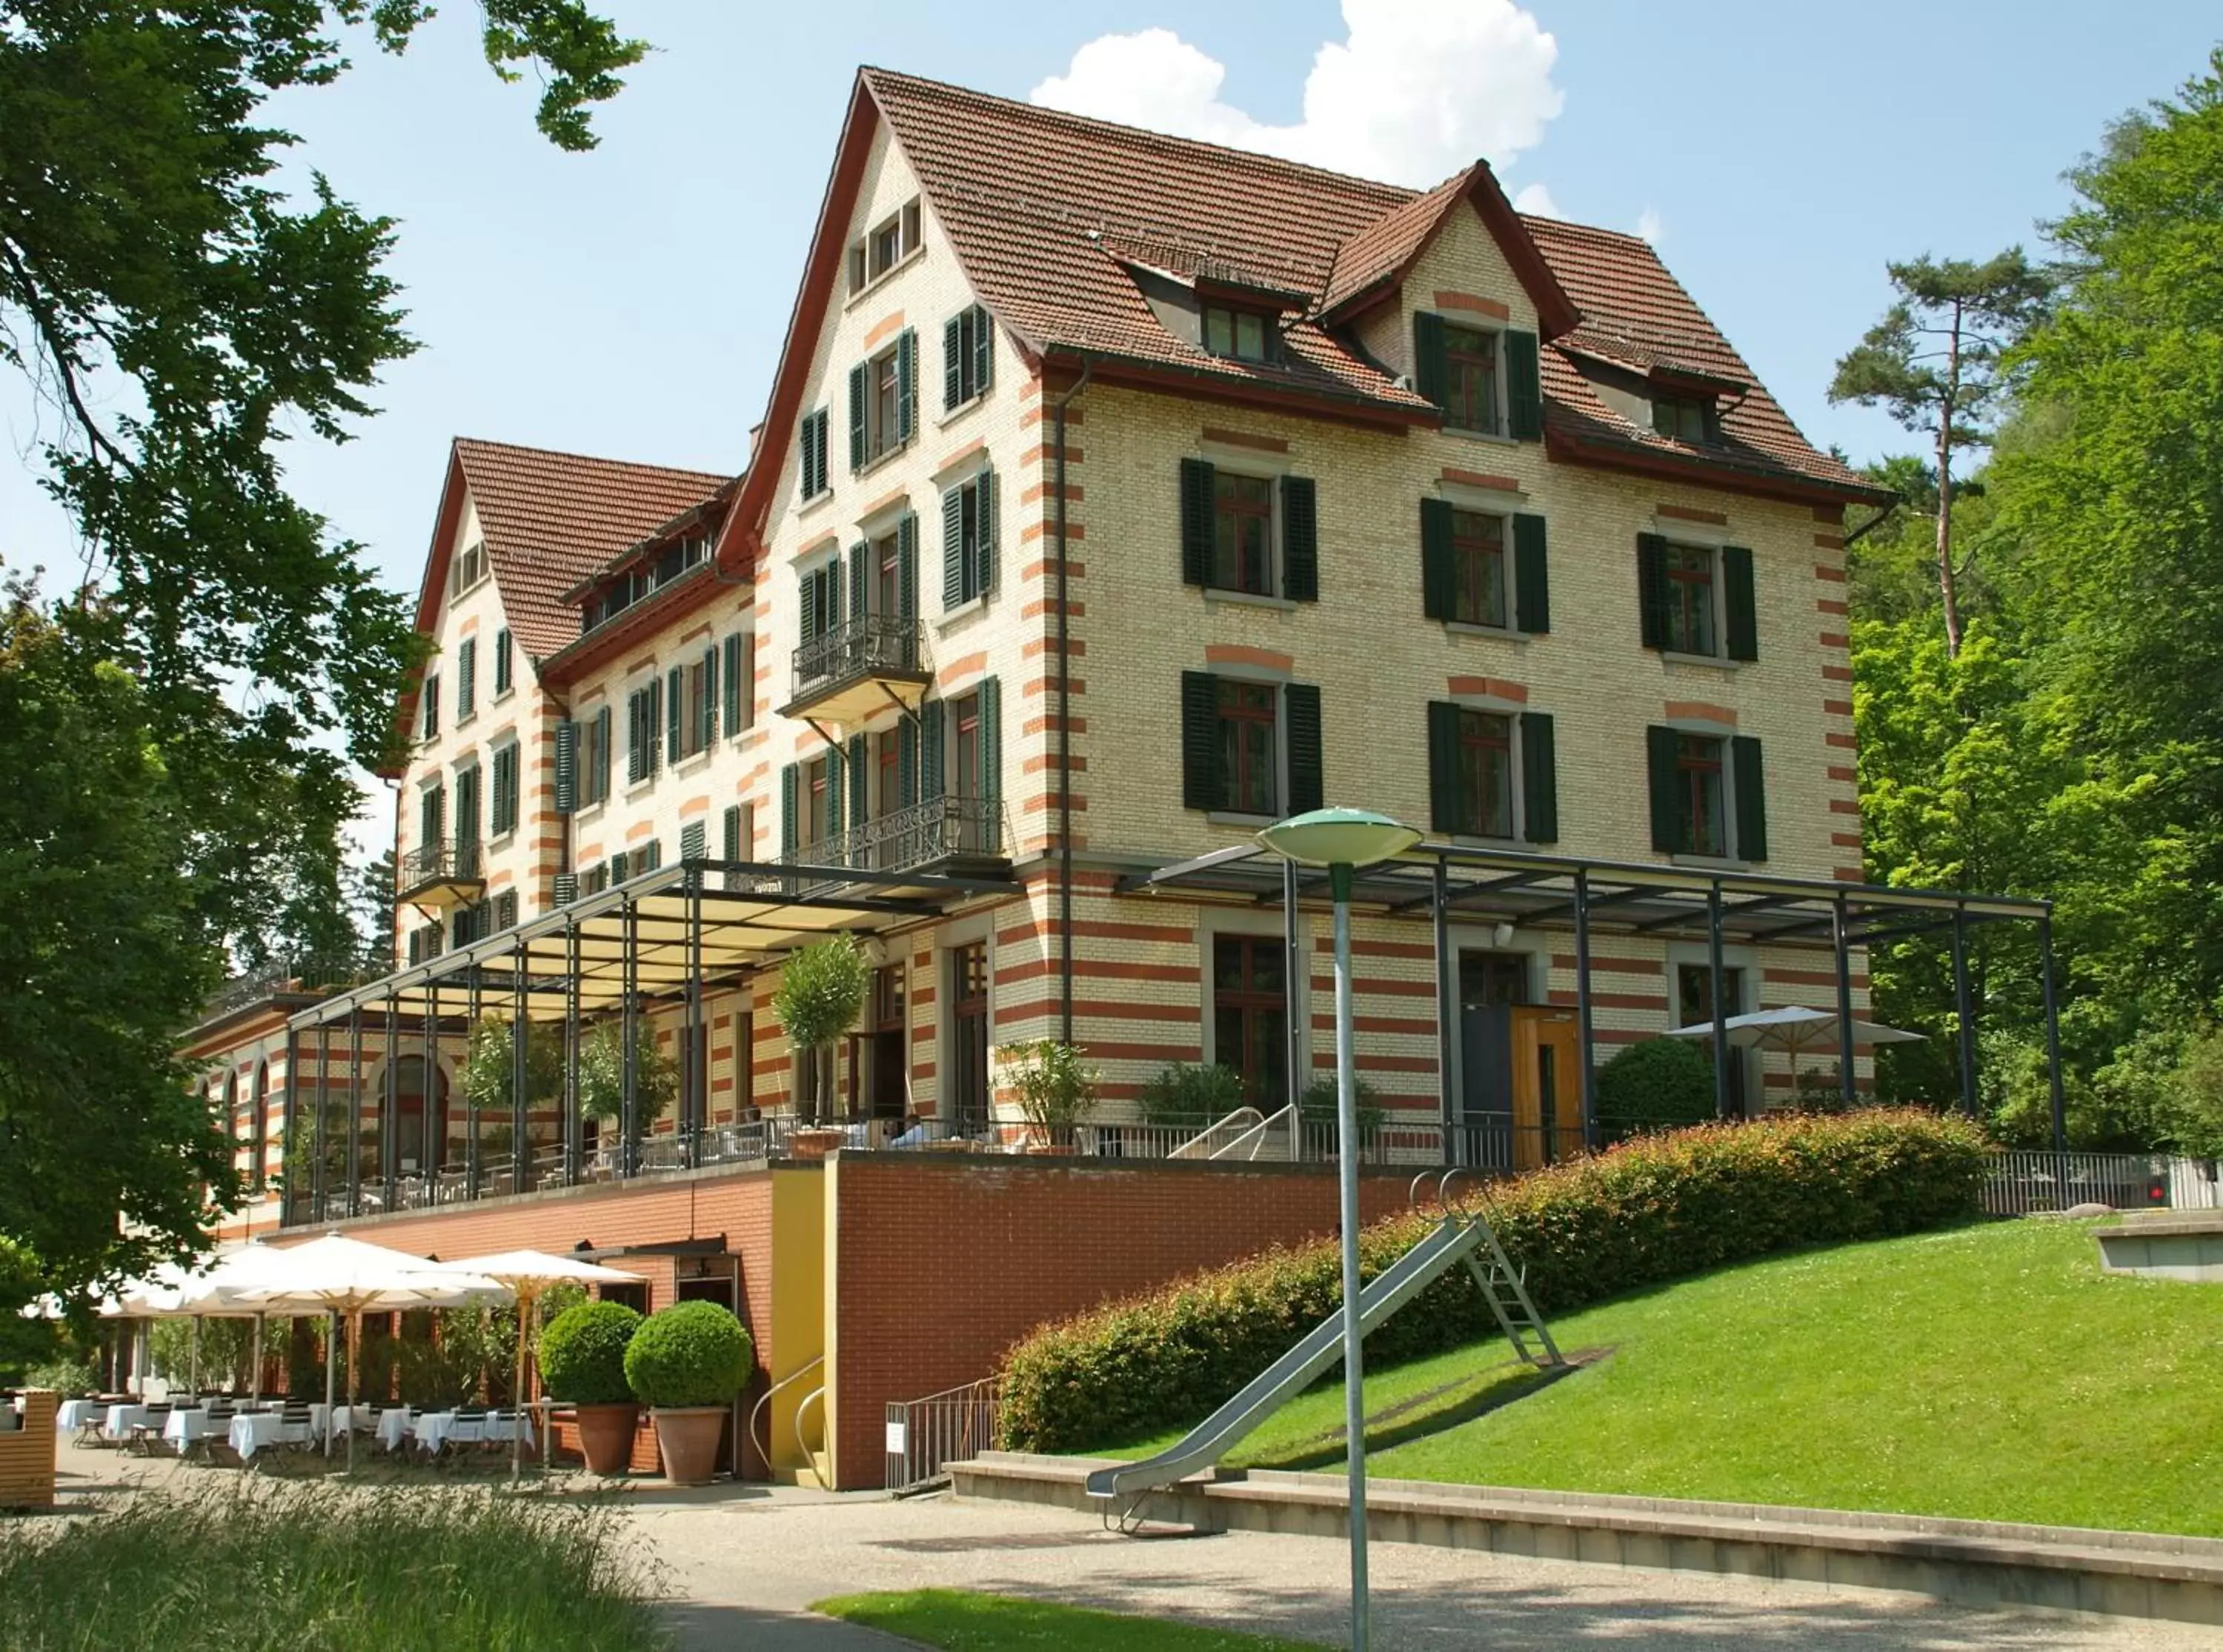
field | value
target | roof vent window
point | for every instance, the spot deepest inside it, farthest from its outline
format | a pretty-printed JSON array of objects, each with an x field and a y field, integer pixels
[{"x": 1244, "y": 335}]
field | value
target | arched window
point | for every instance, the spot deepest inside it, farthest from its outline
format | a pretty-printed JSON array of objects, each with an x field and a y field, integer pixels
[{"x": 259, "y": 1131}]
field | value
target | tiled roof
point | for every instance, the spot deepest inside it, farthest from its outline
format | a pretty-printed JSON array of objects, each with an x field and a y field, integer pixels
[
  {"x": 1042, "y": 207},
  {"x": 550, "y": 519}
]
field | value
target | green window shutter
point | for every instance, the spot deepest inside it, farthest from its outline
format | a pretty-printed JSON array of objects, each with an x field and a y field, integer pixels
[
  {"x": 467, "y": 677},
  {"x": 907, "y": 762},
  {"x": 1443, "y": 766},
  {"x": 654, "y": 743},
  {"x": 429, "y": 727},
  {"x": 1429, "y": 362},
  {"x": 694, "y": 843},
  {"x": 603, "y": 759},
  {"x": 1199, "y": 510},
  {"x": 567, "y": 767},
  {"x": 432, "y": 816},
  {"x": 984, "y": 549},
  {"x": 790, "y": 779},
  {"x": 906, "y": 384},
  {"x": 1540, "y": 779},
  {"x": 1203, "y": 787},
  {"x": 810, "y": 615},
  {"x": 991, "y": 739},
  {"x": 1740, "y": 606},
  {"x": 1300, "y": 540},
  {"x": 732, "y": 848},
  {"x": 860, "y": 556},
  {"x": 1532, "y": 577},
  {"x": 1438, "y": 582},
  {"x": 733, "y": 681},
  {"x": 953, "y": 549},
  {"x": 907, "y": 568},
  {"x": 636, "y": 737},
  {"x": 1301, "y": 713},
  {"x": 506, "y": 788},
  {"x": 860, "y": 793},
  {"x": 710, "y": 694},
  {"x": 1750, "y": 779},
  {"x": 835, "y": 775},
  {"x": 984, "y": 349},
  {"x": 953, "y": 361},
  {"x": 933, "y": 723},
  {"x": 620, "y": 866},
  {"x": 1666, "y": 798},
  {"x": 503, "y": 670},
  {"x": 1651, "y": 588},
  {"x": 674, "y": 698},
  {"x": 467, "y": 813},
  {"x": 1524, "y": 388},
  {"x": 857, "y": 417}
]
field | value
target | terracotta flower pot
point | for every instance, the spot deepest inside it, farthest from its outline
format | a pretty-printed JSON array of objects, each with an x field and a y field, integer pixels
[
  {"x": 687, "y": 1436},
  {"x": 605, "y": 1436},
  {"x": 815, "y": 1144}
]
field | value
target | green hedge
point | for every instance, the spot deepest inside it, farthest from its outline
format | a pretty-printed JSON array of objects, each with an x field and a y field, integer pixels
[{"x": 1653, "y": 1209}]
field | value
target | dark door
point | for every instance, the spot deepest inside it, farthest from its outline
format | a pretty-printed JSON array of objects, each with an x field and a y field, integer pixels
[
  {"x": 1693, "y": 1004},
  {"x": 890, "y": 1094}
]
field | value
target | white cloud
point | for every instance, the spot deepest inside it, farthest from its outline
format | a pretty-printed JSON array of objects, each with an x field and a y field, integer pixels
[
  {"x": 1650, "y": 226},
  {"x": 1419, "y": 90},
  {"x": 1534, "y": 197}
]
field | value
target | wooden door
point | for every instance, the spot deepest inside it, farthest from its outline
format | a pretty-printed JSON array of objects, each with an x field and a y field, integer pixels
[{"x": 1547, "y": 1110}]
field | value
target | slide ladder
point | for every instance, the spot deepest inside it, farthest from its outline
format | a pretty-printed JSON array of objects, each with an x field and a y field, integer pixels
[{"x": 1457, "y": 1238}]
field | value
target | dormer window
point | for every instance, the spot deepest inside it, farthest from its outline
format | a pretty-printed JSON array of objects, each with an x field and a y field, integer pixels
[
  {"x": 1244, "y": 335},
  {"x": 886, "y": 245},
  {"x": 1683, "y": 418},
  {"x": 1471, "y": 381},
  {"x": 470, "y": 566}
]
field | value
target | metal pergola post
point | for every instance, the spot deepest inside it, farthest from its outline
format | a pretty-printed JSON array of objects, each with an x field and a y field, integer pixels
[
  {"x": 355, "y": 1109},
  {"x": 289, "y": 1122},
  {"x": 1583, "y": 1031},
  {"x": 471, "y": 1121},
  {"x": 319, "y": 1176},
  {"x": 1294, "y": 978},
  {"x": 628, "y": 1025},
  {"x": 1964, "y": 1013},
  {"x": 1714, "y": 999},
  {"x": 694, "y": 1098},
  {"x": 519, "y": 1031},
  {"x": 393, "y": 1100},
  {"x": 574, "y": 1127},
  {"x": 432, "y": 1156},
  {"x": 2052, "y": 1033},
  {"x": 1841, "y": 946},
  {"x": 1447, "y": 1052}
]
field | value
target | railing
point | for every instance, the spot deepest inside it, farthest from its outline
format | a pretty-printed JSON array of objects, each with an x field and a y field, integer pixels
[
  {"x": 924, "y": 1435},
  {"x": 2023, "y": 1181},
  {"x": 446, "y": 860},
  {"x": 918, "y": 836},
  {"x": 869, "y": 645}
]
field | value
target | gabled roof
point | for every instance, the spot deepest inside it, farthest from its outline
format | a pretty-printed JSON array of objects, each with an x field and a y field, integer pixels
[
  {"x": 1374, "y": 261},
  {"x": 550, "y": 520}
]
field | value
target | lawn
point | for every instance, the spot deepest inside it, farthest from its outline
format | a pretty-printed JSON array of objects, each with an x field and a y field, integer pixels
[
  {"x": 983, "y": 1622},
  {"x": 1989, "y": 1372},
  {"x": 297, "y": 1570}
]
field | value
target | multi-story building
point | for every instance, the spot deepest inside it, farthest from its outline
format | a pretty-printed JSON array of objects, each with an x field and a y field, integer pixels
[{"x": 1118, "y": 494}]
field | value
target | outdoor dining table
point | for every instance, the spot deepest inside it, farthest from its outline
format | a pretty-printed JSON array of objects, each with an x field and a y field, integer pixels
[
  {"x": 433, "y": 1430},
  {"x": 252, "y": 1430},
  {"x": 122, "y": 1419},
  {"x": 78, "y": 1414},
  {"x": 185, "y": 1428}
]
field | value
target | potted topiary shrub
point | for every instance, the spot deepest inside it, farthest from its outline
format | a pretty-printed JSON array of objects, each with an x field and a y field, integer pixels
[
  {"x": 1055, "y": 1088},
  {"x": 583, "y": 1363},
  {"x": 820, "y": 995},
  {"x": 688, "y": 1365}
]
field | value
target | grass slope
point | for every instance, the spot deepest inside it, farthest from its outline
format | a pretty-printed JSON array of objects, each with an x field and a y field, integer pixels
[
  {"x": 966, "y": 1622},
  {"x": 1989, "y": 1372}
]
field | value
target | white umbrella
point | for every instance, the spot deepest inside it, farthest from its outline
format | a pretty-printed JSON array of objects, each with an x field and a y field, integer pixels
[
  {"x": 1797, "y": 1030},
  {"x": 339, "y": 1275},
  {"x": 529, "y": 1273}
]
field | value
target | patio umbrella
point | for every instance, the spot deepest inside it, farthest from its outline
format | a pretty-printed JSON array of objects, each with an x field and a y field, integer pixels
[
  {"x": 530, "y": 1273},
  {"x": 342, "y": 1276},
  {"x": 1797, "y": 1030}
]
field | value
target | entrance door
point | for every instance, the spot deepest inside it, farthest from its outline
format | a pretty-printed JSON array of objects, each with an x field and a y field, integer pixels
[
  {"x": 1693, "y": 1004},
  {"x": 1548, "y": 1106},
  {"x": 891, "y": 1096},
  {"x": 1490, "y": 985}
]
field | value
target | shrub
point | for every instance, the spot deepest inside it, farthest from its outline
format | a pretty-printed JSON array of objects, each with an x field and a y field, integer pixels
[
  {"x": 1183, "y": 1094},
  {"x": 820, "y": 994},
  {"x": 692, "y": 1354},
  {"x": 601, "y": 1074},
  {"x": 1656, "y": 1085},
  {"x": 1055, "y": 1088},
  {"x": 1653, "y": 1209},
  {"x": 582, "y": 1354},
  {"x": 67, "y": 1375},
  {"x": 1317, "y": 1104}
]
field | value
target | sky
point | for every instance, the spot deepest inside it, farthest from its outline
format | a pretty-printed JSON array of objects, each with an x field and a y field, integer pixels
[{"x": 631, "y": 302}]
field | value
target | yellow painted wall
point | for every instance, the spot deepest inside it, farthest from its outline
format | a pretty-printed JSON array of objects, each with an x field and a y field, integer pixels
[{"x": 801, "y": 1211}]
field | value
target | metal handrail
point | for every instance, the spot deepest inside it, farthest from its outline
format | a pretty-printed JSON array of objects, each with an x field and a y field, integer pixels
[
  {"x": 1258, "y": 1134},
  {"x": 461, "y": 857},
  {"x": 765, "y": 1398},
  {"x": 1199, "y": 1146},
  {"x": 923, "y": 832},
  {"x": 802, "y": 1444},
  {"x": 866, "y": 645}
]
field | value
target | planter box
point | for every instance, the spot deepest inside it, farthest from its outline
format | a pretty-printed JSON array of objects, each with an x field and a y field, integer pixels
[{"x": 27, "y": 1455}]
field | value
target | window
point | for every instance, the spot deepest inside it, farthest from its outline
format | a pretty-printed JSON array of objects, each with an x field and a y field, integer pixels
[
  {"x": 469, "y": 568},
  {"x": 888, "y": 771},
  {"x": 966, "y": 776},
  {"x": 1492, "y": 774},
  {"x": 1708, "y": 793},
  {"x": 1697, "y": 600},
  {"x": 503, "y": 908},
  {"x": 467, "y": 678},
  {"x": 1699, "y": 795},
  {"x": 1258, "y": 536},
  {"x": 881, "y": 417},
  {"x": 431, "y": 818},
  {"x": 1484, "y": 774},
  {"x": 737, "y": 839},
  {"x": 1470, "y": 379},
  {"x": 594, "y": 767},
  {"x": 886, "y": 245},
  {"x": 1689, "y": 570},
  {"x": 429, "y": 721},
  {"x": 1247, "y": 719},
  {"x": 968, "y": 1033},
  {"x": 822, "y": 800},
  {"x": 821, "y": 600},
  {"x": 882, "y": 405},
  {"x": 467, "y": 821},
  {"x": 1682, "y": 419},
  {"x": 1250, "y": 1015},
  {"x": 1242, "y": 534},
  {"x": 813, "y": 444},
  {"x": 694, "y": 695},
  {"x": 1694, "y": 1004},
  {"x": 258, "y": 1130},
  {"x": 1478, "y": 569},
  {"x": 504, "y": 669},
  {"x": 968, "y": 356},
  {"x": 644, "y": 730},
  {"x": 1244, "y": 334},
  {"x": 740, "y": 681},
  {"x": 505, "y": 790},
  {"x": 968, "y": 540}
]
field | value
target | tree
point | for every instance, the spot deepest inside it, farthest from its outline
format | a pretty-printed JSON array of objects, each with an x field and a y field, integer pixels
[
  {"x": 1937, "y": 362},
  {"x": 820, "y": 994}
]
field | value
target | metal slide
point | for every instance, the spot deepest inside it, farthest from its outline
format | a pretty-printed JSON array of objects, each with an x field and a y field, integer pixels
[{"x": 1455, "y": 1240}]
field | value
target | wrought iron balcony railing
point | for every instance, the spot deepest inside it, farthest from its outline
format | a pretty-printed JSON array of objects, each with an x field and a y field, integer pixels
[
  {"x": 859, "y": 649},
  {"x": 446, "y": 863},
  {"x": 940, "y": 829}
]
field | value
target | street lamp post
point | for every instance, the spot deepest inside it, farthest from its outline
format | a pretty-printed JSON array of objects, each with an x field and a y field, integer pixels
[{"x": 1342, "y": 840}]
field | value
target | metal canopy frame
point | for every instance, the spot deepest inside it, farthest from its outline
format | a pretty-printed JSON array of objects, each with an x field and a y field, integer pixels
[{"x": 1716, "y": 907}]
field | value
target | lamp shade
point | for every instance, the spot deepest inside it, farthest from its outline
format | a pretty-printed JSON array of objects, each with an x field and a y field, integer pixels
[{"x": 1338, "y": 837}]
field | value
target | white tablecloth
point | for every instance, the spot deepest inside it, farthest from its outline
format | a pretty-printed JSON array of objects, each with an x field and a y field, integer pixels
[
  {"x": 393, "y": 1428},
  {"x": 122, "y": 1419},
  {"x": 435, "y": 1429},
  {"x": 252, "y": 1430},
  {"x": 185, "y": 1428},
  {"x": 76, "y": 1414}
]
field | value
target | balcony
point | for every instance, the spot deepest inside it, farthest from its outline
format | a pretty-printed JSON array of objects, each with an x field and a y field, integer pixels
[
  {"x": 861, "y": 666},
  {"x": 961, "y": 835},
  {"x": 449, "y": 872}
]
